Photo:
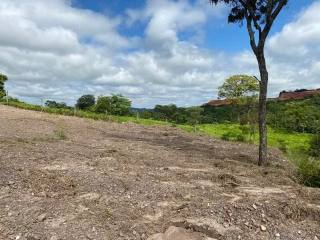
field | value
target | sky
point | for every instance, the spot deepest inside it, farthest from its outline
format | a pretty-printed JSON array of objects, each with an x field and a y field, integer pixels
[{"x": 152, "y": 51}]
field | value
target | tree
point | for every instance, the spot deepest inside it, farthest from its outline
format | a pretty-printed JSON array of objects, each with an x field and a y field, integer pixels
[
  {"x": 239, "y": 86},
  {"x": 54, "y": 104},
  {"x": 259, "y": 16},
  {"x": 194, "y": 115},
  {"x": 166, "y": 112},
  {"x": 3, "y": 79},
  {"x": 85, "y": 102},
  {"x": 114, "y": 105},
  {"x": 242, "y": 90}
]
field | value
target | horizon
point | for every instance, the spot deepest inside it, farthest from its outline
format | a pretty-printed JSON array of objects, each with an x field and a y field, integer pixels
[{"x": 61, "y": 49}]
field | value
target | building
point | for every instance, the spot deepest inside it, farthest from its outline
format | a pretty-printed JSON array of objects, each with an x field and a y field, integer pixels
[
  {"x": 283, "y": 96},
  {"x": 298, "y": 94}
]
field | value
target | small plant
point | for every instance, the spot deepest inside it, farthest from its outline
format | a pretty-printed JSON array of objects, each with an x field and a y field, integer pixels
[
  {"x": 309, "y": 171},
  {"x": 60, "y": 133},
  {"x": 233, "y": 136},
  {"x": 315, "y": 146}
]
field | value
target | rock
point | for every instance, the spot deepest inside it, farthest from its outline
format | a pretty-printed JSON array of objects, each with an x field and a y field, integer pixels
[
  {"x": 277, "y": 235},
  {"x": 263, "y": 228},
  {"x": 42, "y": 217},
  {"x": 175, "y": 233},
  {"x": 316, "y": 238},
  {"x": 255, "y": 206}
]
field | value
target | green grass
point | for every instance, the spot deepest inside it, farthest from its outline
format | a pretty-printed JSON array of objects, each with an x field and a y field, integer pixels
[
  {"x": 276, "y": 138},
  {"x": 84, "y": 114}
]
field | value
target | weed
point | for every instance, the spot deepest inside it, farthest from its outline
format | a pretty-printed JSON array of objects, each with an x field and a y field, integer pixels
[
  {"x": 60, "y": 134},
  {"x": 308, "y": 171}
]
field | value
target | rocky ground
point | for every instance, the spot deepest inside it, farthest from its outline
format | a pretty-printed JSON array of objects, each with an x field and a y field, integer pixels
[{"x": 71, "y": 178}]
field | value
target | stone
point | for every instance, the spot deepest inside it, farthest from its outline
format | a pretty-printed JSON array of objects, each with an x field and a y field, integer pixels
[
  {"x": 277, "y": 235},
  {"x": 42, "y": 217},
  {"x": 263, "y": 228}
]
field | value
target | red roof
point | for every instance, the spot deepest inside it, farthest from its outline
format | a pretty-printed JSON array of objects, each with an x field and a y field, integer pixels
[
  {"x": 284, "y": 96},
  {"x": 218, "y": 103}
]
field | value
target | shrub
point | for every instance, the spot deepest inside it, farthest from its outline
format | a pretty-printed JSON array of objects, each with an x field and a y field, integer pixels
[
  {"x": 309, "y": 171},
  {"x": 233, "y": 136},
  {"x": 85, "y": 102},
  {"x": 315, "y": 146}
]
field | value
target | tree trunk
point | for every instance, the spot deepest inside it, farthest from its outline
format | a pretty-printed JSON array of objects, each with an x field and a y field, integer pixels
[{"x": 263, "y": 151}]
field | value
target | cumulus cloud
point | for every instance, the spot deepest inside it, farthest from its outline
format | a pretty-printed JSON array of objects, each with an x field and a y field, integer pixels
[{"x": 52, "y": 50}]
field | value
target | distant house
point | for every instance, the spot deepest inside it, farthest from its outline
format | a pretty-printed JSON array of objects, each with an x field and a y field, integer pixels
[
  {"x": 219, "y": 102},
  {"x": 298, "y": 94}
]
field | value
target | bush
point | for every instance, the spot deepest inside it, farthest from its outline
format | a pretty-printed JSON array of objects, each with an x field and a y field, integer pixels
[
  {"x": 315, "y": 146},
  {"x": 233, "y": 136},
  {"x": 309, "y": 171},
  {"x": 85, "y": 102}
]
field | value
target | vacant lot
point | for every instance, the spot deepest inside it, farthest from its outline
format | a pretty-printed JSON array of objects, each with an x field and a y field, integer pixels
[{"x": 71, "y": 178}]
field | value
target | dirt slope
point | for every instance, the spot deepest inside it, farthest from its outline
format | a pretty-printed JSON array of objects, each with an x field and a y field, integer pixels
[{"x": 71, "y": 178}]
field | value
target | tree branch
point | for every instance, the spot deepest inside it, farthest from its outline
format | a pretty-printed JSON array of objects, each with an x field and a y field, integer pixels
[
  {"x": 251, "y": 33},
  {"x": 253, "y": 16},
  {"x": 271, "y": 16}
]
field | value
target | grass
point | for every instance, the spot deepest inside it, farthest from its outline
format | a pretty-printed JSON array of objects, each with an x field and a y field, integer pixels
[
  {"x": 60, "y": 134},
  {"x": 276, "y": 138},
  {"x": 83, "y": 114}
]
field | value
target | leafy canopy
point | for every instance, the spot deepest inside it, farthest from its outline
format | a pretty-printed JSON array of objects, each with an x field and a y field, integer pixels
[
  {"x": 259, "y": 15},
  {"x": 85, "y": 102},
  {"x": 3, "y": 79},
  {"x": 114, "y": 105},
  {"x": 239, "y": 86}
]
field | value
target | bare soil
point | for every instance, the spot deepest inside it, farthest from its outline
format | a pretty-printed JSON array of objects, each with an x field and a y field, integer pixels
[{"x": 71, "y": 178}]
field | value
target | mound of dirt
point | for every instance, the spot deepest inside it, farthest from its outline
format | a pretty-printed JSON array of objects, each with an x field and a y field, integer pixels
[{"x": 70, "y": 178}]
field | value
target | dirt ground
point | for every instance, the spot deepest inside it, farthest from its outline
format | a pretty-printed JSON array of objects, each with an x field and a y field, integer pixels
[{"x": 71, "y": 178}]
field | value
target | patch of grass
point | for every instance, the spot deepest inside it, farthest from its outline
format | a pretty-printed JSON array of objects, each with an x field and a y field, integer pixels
[
  {"x": 308, "y": 169},
  {"x": 60, "y": 134},
  {"x": 84, "y": 114},
  {"x": 276, "y": 138}
]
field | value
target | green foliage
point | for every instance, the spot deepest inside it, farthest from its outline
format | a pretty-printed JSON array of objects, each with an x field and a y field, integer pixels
[
  {"x": 194, "y": 114},
  {"x": 54, "y": 104},
  {"x": 308, "y": 171},
  {"x": 113, "y": 105},
  {"x": 166, "y": 112},
  {"x": 239, "y": 86},
  {"x": 297, "y": 116},
  {"x": 315, "y": 146},
  {"x": 3, "y": 79},
  {"x": 85, "y": 102},
  {"x": 283, "y": 145}
]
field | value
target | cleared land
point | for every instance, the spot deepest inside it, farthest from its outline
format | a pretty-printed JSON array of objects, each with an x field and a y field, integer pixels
[{"x": 71, "y": 178}]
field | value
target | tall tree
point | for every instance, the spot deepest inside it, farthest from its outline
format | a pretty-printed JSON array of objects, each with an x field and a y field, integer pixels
[
  {"x": 85, "y": 102},
  {"x": 242, "y": 91},
  {"x": 239, "y": 86},
  {"x": 259, "y": 16},
  {"x": 3, "y": 78}
]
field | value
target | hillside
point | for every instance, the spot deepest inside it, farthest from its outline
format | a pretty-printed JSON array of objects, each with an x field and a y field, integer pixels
[{"x": 71, "y": 178}]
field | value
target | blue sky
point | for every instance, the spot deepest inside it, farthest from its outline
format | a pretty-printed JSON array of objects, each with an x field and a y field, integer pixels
[
  {"x": 152, "y": 51},
  {"x": 218, "y": 35}
]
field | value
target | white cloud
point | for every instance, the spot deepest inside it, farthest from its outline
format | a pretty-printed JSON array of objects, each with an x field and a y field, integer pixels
[
  {"x": 53, "y": 50},
  {"x": 294, "y": 52}
]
